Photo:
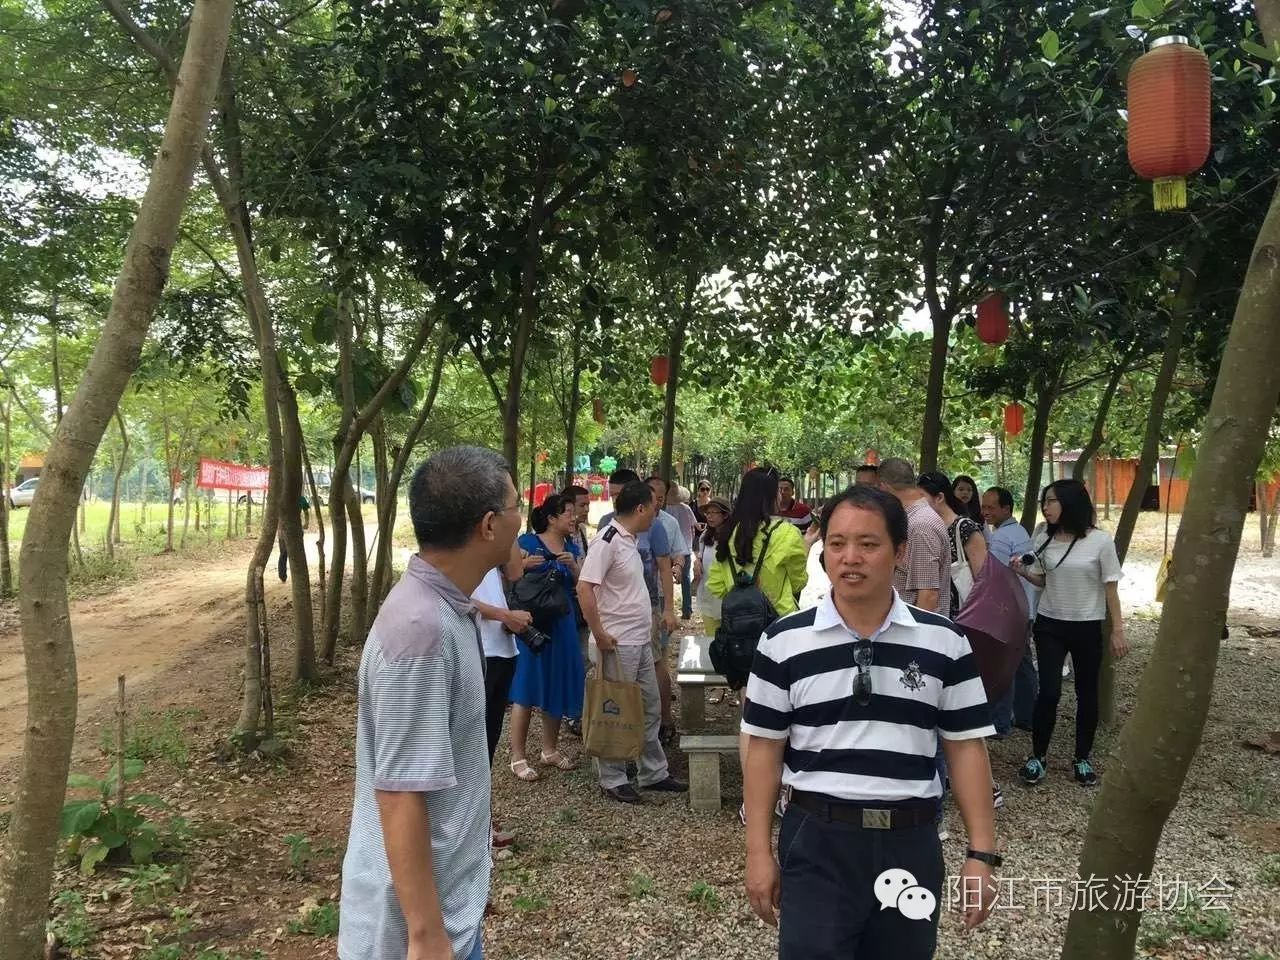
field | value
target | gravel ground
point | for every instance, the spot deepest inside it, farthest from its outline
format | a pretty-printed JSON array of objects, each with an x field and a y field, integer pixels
[{"x": 592, "y": 879}]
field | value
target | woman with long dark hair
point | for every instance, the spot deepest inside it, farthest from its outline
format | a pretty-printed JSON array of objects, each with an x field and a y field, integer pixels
[
  {"x": 741, "y": 546},
  {"x": 1077, "y": 567},
  {"x": 968, "y": 498},
  {"x": 961, "y": 530},
  {"x": 552, "y": 680}
]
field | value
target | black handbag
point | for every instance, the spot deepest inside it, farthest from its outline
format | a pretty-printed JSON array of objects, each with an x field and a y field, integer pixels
[{"x": 541, "y": 592}]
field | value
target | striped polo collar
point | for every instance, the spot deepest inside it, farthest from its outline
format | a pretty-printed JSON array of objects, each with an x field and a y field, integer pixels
[{"x": 827, "y": 616}]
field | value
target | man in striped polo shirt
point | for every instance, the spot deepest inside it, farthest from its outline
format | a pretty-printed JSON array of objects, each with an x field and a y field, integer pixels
[
  {"x": 845, "y": 705},
  {"x": 415, "y": 879}
]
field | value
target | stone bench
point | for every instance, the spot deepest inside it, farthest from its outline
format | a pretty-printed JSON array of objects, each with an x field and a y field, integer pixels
[
  {"x": 704, "y": 752},
  {"x": 694, "y": 673}
]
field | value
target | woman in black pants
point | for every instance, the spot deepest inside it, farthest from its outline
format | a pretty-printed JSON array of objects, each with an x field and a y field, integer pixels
[{"x": 1076, "y": 565}]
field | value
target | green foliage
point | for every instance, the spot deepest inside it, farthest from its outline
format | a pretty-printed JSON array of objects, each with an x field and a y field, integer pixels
[
  {"x": 530, "y": 902},
  {"x": 1269, "y": 872},
  {"x": 567, "y": 815},
  {"x": 152, "y": 737},
  {"x": 301, "y": 855},
  {"x": 705, "y": 896},
  {"x": 154, "y": 883},
  {"x": 318, "y": 921},
  {"x": 103, "y": 830},
  {"x": 71, "y": 924},
  {"x": 641, "y": 886}
]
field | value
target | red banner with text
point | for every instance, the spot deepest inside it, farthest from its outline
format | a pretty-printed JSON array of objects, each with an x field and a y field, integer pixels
[{"x": 220, "y": 475}]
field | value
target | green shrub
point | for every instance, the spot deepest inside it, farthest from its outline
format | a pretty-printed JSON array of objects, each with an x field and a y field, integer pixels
[
  {"x": 300, "y": 854},
  {"x": 1269, "y": 872},
  {"x": 71, "y": 924},
  {"x": 705, "y": 895},
  {"x": 101, "y": 829},
  {"x": 319, "y": 921},
  {"x": 154, "y": 736}
]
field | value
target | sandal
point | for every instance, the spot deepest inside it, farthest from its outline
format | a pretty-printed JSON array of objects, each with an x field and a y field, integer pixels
[
  {"x": 523, "y": 771},
  {"x": 558, "y": 760}
]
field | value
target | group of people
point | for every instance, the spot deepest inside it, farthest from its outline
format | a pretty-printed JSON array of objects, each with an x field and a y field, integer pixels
[{"x": 863, "y": 704}]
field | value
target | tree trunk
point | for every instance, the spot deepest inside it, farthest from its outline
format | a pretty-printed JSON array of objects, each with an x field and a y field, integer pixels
[
  {"x": 186, "y": 513},
  {"x": 319, "y": 514},
  {"x": 931, "y": 435},
  {"x": 1096, "y": 436},
  {"x": 304, "y": 652},
  {"x": 170, "y": 468},
  {"x": 675, "y": 348},
  {"x": 531, "y": 262},
  {"x": 1267, "y": 503},
  {"x": 6, "y": 561},
  {"x": 575, "y": 404},
  {"x": 1157, "y": 745},
  {"x": 1046, "y": 396},
  {"x": 337, "y": 568},
  {"x": 46, "y": 623},
  {"x": 387, "y": 508},
  {"x": 1150, "y": 456},
  {"x": 113, "y": 518},
  {"x": 359, "y": 569}
]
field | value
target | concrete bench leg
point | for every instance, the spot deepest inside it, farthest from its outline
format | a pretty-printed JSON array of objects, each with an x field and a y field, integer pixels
[
  {"x": 704, "y": 781},
  {"x": 693, "y": 708}
]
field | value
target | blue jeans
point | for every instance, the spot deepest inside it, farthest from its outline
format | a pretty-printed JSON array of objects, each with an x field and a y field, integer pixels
[
  {"x": 477, "y": 952},
  {"x": 1015, "y": 707},
  {"x": 686, "y": 588}
]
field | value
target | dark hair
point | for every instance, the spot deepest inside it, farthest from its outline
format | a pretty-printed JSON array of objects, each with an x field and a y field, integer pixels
[
  {"x": 935, "y": 482},
  {"x": 666, "y": 484},
  {"x": 972, "y": 509},
  {"x": 867, "y": 468},
  {"x": 632, "y": 497},
  {"x": 704, "y": 483},
  {"x": 1077, "y": 516},
  {"x": 756, "y": 503},
  {"x": 453, "y": 491},
  {"x": 782, "y": 480},
  {"x": 551, "y": 507},
  {"x": 875, "y": 500},
  {"x": 1003, "y": 496},
  {"x": 623, "y": 477},
  {"x": 573, "y": 491}
]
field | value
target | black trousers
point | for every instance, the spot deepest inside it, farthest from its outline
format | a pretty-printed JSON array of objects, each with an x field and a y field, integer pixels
[
  {"x": 498, "y": 673},
  {"x": 829, "y": 908},
  {"x": 1082, "y": 639}
]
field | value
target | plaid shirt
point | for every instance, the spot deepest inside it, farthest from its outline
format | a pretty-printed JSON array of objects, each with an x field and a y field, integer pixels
[{"x": 928, "y": 563}]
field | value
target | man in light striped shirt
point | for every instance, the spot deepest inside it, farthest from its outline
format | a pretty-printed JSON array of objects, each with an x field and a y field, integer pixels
[
  {"x": 415, "y": 879},
  {"x": 846, "y": 702}
]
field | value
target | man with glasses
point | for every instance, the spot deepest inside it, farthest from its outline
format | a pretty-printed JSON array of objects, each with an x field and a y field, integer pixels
[
  {"x": 415, "y": 879},
  {"x": 845, "y": 706}
]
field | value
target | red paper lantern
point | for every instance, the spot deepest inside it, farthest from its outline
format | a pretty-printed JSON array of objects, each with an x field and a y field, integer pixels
[
  {"x": 1168, "y": 89},
  {"x": 1013, "y": 419},
  {"x": 597, "y": 410},
  {"x": 658, "y": 370},
  {"x": 993, "y": 319}
]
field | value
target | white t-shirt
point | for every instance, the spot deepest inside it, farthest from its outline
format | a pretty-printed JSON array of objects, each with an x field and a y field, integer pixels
[
  {"x": 1076, "y": 576},
  {"x": 819, "y": 584},
  {"x": 708, "y": 602},
  {"x": 494, "y": 637}
]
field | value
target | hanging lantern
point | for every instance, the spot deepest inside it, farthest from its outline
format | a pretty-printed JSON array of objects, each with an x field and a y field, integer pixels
[
  {"x": 1013, "y": 419},
  {"x": 1168, "y": 89},
  {"x": 658, "y": 370},
  {"x": 597, "y": 410},
  {"x": 993, "y": 319}
]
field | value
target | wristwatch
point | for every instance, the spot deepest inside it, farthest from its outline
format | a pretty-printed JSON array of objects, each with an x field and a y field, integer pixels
[{"x": 990, "y": 859}]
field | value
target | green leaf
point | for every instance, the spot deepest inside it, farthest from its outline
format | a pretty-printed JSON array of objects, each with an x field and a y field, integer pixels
[
  {"x": 1148, "y": 9},
  {"x": 527, "y": 68},
  {"x": 549, "y": 105},
  {"x": 728, "y": 47},
  {"x": 1049, "y": 44},
  {"x": 324, "y": 328},
  {"x": 78, "y": 781},
  {"x": 1258, "y": 50},
  {"x": 108, "y": 837},
  {"x": 78, "y": 816},
  {"x": 149, "y": 800},
  {"x": 132, "y": 770},
  {"x": 92, "y": 854}
]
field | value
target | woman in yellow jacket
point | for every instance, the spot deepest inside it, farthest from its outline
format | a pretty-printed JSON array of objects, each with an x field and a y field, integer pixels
[{"x": 783, "y": 568}]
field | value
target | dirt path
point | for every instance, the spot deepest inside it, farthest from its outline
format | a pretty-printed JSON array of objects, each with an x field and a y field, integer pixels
[{"x": 145, "y": 629}]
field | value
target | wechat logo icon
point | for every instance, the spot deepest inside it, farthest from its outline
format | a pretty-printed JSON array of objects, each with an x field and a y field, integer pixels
[{"x": 898, "y": 889}]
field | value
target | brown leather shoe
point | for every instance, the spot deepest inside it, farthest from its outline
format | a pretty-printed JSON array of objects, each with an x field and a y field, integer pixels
[{"x": 623, "y": 794}]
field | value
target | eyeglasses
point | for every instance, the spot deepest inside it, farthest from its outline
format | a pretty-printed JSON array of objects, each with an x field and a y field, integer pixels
[{"x": 862, "y": 682}]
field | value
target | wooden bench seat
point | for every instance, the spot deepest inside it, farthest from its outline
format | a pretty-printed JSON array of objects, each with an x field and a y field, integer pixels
[{"x": 704, "y": 752}]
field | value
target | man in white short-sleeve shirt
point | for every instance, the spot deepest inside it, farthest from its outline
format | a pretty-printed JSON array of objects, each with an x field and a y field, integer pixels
[
  {"x": 615, "y": 603},
  {"x": 415, "y": 879}
]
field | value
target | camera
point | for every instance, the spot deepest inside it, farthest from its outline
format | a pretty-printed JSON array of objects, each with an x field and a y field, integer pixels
[
  {"x": 1027, "y": 559},
  {"x": 535, "y": 639}
]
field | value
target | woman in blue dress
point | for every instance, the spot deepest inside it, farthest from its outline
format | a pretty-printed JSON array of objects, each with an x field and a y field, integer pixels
[{"x": 551, "y": 680}]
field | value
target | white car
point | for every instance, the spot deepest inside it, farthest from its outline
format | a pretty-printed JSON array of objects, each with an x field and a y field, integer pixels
[{"x": 23, "y": 493}]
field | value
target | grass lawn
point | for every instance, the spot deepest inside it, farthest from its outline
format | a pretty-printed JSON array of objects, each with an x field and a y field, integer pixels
[{"x": 137, "y": 522}]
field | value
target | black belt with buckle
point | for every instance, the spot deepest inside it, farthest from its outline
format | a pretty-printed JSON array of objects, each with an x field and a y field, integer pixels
[{"x": 897, "y": 817}]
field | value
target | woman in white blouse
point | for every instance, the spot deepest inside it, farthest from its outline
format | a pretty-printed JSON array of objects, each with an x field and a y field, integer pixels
[{"x": 1076, "y": 565}]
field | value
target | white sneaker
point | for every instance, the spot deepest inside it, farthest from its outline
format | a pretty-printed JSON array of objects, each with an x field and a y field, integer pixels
[
  {"x": 997, "y": 796},
  {"x": 943, "y": 835}
]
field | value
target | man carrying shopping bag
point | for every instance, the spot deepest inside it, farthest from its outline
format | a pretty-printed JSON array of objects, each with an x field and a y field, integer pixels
[{"x": 615, "y": 603}]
